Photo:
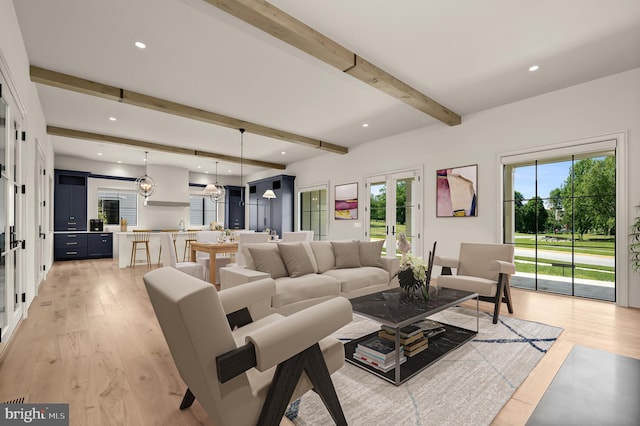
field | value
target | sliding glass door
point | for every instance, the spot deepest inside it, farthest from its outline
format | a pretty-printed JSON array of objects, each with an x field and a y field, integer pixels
[{"x": 560, "y": 213}]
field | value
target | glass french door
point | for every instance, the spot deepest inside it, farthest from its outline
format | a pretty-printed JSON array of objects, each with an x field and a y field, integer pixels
[
  {"x": 394, "y": 207},
  {"x": 11, "y": 282},
  {"x": 560, "y": 213}
]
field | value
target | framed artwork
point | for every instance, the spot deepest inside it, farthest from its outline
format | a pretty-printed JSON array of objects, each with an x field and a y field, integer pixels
[
  {"x": 457, "y": 192},
  {"x": 346, "y": 199}
]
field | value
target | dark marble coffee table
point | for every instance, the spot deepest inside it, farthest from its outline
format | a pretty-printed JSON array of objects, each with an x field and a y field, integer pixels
[{"x": 395, "y": 309}]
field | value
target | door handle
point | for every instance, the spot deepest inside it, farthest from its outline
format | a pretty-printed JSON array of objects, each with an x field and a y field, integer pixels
[{"x": 393, "y": 230}]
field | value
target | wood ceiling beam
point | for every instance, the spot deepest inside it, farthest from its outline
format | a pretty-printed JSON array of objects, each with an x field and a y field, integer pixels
[
  {"x": 279, "y": 24},
  {"x": 79, "y": 134},
  {"x": 88, "y": 87}
]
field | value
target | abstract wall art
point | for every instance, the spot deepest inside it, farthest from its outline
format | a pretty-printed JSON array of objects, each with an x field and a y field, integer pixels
[
  {"x": 346, "y": 201},
  {"x": 457, "y": 192}
]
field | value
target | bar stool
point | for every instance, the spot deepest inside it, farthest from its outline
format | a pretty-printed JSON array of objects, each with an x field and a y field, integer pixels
[
  {"x": 191, "y": 238},
  {"x": 140, "y": 237},
  {"x": 174, "y": 235}
]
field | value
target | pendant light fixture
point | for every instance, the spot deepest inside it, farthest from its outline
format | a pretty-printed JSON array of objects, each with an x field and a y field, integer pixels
[
  {"x": 241, "y": 167},
  {"x": 145, "y": 186},
  {"x": 215, "y": 191}
]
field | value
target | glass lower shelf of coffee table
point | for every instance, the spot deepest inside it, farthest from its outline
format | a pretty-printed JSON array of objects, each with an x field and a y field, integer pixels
[{"x": 438, "y": 347}]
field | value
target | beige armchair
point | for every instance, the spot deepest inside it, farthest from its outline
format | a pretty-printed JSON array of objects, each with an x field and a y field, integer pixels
[
  {"x": 485, "y": 269},
  {"x": 244, "y": 364}
]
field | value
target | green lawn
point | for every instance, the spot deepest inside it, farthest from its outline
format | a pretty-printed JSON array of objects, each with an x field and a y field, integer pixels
[
  {"x": 590, "y": 244},
  {"x": 586, "y": 271}
]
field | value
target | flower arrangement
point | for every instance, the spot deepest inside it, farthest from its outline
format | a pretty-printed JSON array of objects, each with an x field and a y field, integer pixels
[
  {"x": 418, "y": 267},
  {"x": 412, "y": 274}
]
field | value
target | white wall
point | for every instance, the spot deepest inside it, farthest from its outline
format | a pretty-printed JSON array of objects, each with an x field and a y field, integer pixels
[
  {"x": 13, "y": 50},
  {"x": 595, "y": 108}
]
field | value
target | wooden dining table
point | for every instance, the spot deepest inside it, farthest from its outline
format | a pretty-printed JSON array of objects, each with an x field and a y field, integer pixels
[{"x": 213, "y": 249}]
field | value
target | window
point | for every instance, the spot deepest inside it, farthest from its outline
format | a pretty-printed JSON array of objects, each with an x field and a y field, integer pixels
[
  {"x": 560, "y": 213},
  {"x": 313, "y": 211},
  {"x": 116, "y": 204},
  {"x": 202, "y": 211}
]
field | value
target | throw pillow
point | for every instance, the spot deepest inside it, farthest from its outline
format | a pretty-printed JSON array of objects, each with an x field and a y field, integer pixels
[
  {"x": 370, "y": 252},
  {"x": 347, "y": 254},
  {"x": 268, "y": 260},
  {"x": 323, "y": 253},
  {"x": 296, "y": 259}
]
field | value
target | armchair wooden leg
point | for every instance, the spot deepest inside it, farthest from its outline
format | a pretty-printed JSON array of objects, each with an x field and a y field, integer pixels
[
  {"x": 187, "y": 400},
  {"x": 507, "y": 296},
  {"x": 498, "y": 299},
  {"x": 285, "y": 380}
]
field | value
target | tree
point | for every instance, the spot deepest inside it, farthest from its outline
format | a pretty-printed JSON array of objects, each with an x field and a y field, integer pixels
[
  {"x": 518, "y": 200},
  {"x": 534, "y": 216},
  {"x": 588, "y": 195},
  {"x": 378, "y": 205}
]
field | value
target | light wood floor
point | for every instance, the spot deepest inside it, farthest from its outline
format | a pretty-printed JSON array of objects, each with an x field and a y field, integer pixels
[{"x": 92, "y": 340}]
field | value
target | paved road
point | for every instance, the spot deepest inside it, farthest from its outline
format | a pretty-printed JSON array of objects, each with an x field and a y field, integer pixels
[{"x": 589, "y": 259}]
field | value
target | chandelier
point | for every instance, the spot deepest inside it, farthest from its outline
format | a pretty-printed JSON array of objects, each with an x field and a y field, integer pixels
[
  {"x": 145, "y": 186},
  {"x": 215, "y": 191}
]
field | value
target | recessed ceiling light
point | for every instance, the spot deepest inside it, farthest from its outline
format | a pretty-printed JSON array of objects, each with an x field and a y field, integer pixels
[
  {"x": 283, "y": 152},
  {"x": 99, "y": 153},
  {"x": 119, "y": 162},
  {"x": 112, "y": 119},
  {"x": 534, "y": 68},
  {"x": 206, "y": 173},
  {"x": 140, "y": 45},
  {"x": 365, "y": 125},
  {"x": 228, "y": 171},
  {"x": 199, "y": 167}
]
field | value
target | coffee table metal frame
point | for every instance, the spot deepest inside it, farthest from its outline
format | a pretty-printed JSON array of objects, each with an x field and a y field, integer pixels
[{"x": 395, "y": 309}]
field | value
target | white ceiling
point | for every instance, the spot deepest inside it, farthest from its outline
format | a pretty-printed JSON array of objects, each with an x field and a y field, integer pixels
[{"x": 466, "y": 54}]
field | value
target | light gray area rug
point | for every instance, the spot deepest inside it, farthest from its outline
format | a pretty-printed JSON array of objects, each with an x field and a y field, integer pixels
[{"x": 467, "y": 387}]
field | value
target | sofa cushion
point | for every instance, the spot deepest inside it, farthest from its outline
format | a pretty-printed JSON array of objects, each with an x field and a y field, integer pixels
[
  {"x": 296, "y": 259},
  {"x": 267, "y": 259},
  {"x": 370, "y": 252},
  {"x": 356, "y": 278},
  {"x": 310, "y": 286},
  {"x": 347, "y": 254},
  {"x": 248, "y": 259},
  {"x": 323, "y": 253}
]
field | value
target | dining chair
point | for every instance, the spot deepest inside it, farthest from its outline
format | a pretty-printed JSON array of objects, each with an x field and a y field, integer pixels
[
  {"x": 170, "y": 259},
  {"x": 174, "y": 236},
  {"x": 297, "y": 236},
  {"x": 202, "y": 258}
]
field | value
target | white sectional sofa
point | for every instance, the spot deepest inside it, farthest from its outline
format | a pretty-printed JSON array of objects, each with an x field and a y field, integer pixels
[{"x": 307, "y": 273}]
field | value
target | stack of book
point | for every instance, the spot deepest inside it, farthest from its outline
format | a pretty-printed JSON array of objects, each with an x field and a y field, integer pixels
[
  {"x": 412, "y": 338},
  {"x": 379, "y": 353}
]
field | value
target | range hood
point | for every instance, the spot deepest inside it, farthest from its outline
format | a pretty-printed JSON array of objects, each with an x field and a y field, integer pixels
[{"x": 172, "y": 186}]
